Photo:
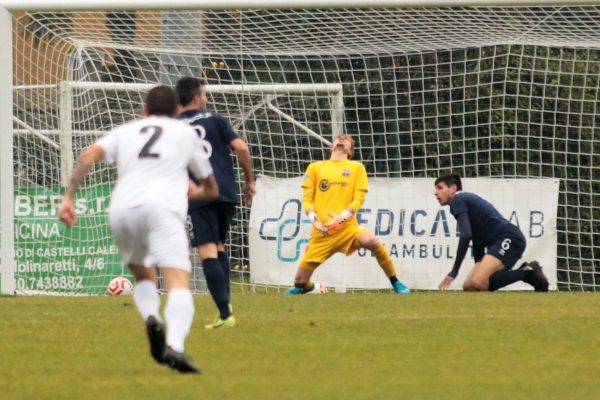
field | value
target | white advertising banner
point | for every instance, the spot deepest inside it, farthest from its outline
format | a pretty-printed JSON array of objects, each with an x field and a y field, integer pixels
[{"x": 420, "y": 235}]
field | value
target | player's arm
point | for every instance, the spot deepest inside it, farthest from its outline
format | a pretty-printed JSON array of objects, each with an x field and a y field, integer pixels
[
  {"x": 243, "y": 155},
  {"x": 308, "y": 199},
  {"x": 466, "y": 236},
  {"x": 358, "y": 198},
  {"x": 200, "y": 168},
  {"x": 242, "y": 152},
  {"x": 207, "y": 189},
  {"x": 86, "y": 159}
]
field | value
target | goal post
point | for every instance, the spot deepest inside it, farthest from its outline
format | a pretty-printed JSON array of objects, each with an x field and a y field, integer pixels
[
  {"x": 82, "y": 260},
  {"x": 502, "y": 90},
  {"x": 7, "y": 252}
]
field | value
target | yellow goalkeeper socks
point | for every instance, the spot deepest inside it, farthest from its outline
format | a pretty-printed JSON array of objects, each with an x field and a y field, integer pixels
[{"x": 385, "y": 261}]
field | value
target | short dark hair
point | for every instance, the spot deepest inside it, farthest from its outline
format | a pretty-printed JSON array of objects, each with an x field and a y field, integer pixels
[
  {"x": 162, "y": 100},
  {"x": 449, "y": 180},
  {"x": 187, "y": 88}
]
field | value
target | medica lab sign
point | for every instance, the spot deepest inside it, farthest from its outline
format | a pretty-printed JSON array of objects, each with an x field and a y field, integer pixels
[{"x": 420, "y": 235}]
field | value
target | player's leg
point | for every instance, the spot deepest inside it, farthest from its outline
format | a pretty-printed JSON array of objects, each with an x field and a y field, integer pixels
[
  {"x": 179, "y": 309},
  {"x": 369, "y": 241},
  {"x": 302, "y": 282},
  {"x": 478, "y": 278},
  {"x": 147, "y": 301},
  {"x": 145, "y": 295},
  {"x": 226, "y": 214},
  {"x": 319, "y": 249},
  {"x": 179, "y": 315},
  {"x": 216, "y": 281},
  {"x": 223, "y": 258},
  {"x": 168, "y": 248},
  {"x": 204, "y": 236},
  {"x": 490, "y": 274},
  {"x": 130, "y": 233},
  {"x": 128, "y": 227},
  {"x": 496, "y": 266}
]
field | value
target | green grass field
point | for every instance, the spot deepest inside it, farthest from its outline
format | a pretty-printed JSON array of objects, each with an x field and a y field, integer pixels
[{"x": 353, "y": 346}]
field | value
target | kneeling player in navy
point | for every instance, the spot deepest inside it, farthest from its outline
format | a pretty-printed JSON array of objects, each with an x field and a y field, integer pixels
[{"x": 497, "y": 244}]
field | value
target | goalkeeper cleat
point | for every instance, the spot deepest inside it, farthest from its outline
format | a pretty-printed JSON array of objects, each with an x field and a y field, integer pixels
[
  {"x": 293, "y": 291},
  {"x": 180, "y": 361},
  {"x": 156, "y": 336},
  {"x": 228, "y": 322},
  {"x": 535, "y": 276},
  {"x": 400, "y": 288}
]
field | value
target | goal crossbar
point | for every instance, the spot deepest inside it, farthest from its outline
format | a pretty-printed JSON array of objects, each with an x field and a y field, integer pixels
[
  {"x": 333, "y": 90},
  {"x": 42, "y": 5}
]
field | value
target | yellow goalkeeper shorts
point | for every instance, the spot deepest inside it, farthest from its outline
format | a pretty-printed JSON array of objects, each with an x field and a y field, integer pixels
[{"x": 321, "y": 247}]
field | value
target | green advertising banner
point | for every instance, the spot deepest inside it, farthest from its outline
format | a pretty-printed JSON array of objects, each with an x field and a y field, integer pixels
[{"x": 53, "y": 258}]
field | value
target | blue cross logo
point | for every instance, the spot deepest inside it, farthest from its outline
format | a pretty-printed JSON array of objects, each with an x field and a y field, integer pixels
[{"x": 288, "y": 225}]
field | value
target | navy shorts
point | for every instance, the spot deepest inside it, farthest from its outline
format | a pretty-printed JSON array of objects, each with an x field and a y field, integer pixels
[
  {"x": 508, "y": 246},
  {"x": 210, "y": 223}
]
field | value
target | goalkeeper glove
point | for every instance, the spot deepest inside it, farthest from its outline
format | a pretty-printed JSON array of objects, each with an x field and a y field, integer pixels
[
  {"x": 337, "y": 219},
  {"x": 316, "y": 222}
]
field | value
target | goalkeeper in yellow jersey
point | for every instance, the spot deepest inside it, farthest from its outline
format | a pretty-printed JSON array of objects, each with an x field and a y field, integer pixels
[{"x": 334, "y": 190}]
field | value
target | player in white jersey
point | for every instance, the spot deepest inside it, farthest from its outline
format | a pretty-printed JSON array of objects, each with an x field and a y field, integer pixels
[{"x": 147, "y": 213}]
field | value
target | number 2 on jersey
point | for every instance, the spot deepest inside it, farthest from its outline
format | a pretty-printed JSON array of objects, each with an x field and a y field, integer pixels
[{"x": 156, "y": 132}]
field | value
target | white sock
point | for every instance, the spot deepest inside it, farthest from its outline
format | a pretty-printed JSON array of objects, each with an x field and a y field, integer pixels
[
  {"x": 179, "y": 314},
  {"x": 147, "y": 299}
]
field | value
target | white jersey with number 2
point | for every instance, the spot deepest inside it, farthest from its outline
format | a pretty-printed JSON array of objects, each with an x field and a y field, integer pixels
[{"x": 153, "y": 156}]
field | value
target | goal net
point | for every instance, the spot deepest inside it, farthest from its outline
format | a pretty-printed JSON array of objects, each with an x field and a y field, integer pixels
[{"x": 487, "y": 92}]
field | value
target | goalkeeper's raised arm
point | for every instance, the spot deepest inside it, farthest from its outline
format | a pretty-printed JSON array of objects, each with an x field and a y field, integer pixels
[{"x": 334, "y": 191}]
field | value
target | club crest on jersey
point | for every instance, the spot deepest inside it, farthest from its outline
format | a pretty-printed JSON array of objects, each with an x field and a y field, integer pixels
[
  {"x": 324, "y": 185},
  {"x": 346, "y": 173}
]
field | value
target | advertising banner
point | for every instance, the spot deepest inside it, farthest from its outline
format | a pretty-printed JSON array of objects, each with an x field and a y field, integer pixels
[
  {"x": 51, "y": 257},
  {"x": 404, "y": 214}
]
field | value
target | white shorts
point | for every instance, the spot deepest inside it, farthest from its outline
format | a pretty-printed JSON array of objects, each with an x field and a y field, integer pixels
[{"x": 149, "y": 235}]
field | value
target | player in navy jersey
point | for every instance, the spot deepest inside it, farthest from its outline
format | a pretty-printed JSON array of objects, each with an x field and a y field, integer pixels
[
  {"x": 208, "y": 222},
  {"x": 497, "y": 244}
]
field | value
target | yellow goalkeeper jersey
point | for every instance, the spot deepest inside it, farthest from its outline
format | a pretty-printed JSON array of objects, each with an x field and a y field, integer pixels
[{"x": 334, "y": 186}]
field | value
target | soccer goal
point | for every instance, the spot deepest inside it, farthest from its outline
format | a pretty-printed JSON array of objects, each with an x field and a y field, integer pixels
[
  {"x": 51, "y": 258},
  {"x": 509, "y": 90}
]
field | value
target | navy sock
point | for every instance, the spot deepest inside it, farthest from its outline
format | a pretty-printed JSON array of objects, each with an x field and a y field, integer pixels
[
  {"x": 502, "y": 278},
  {"x": 217, "y": 285},
  {"x": 224, "y": 261}
]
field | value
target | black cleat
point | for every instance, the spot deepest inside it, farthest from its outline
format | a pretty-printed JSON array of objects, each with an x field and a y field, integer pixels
[
  {"x": 156, "y": 336},
  {"x": 535, "y": 276},
  {"x": 180, "y": 361}
]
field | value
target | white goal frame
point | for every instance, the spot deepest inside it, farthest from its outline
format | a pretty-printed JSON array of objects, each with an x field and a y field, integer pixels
[
  {"x": 269, "y": 91},
  {"x": 65, "y": 135},
  {"x": 7, "y": 255}
]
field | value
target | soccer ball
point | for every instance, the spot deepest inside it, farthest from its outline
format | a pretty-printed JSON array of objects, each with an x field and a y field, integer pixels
[
  {"x": 120, "y": 286},
  {"x": 319, "y": 288}
]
